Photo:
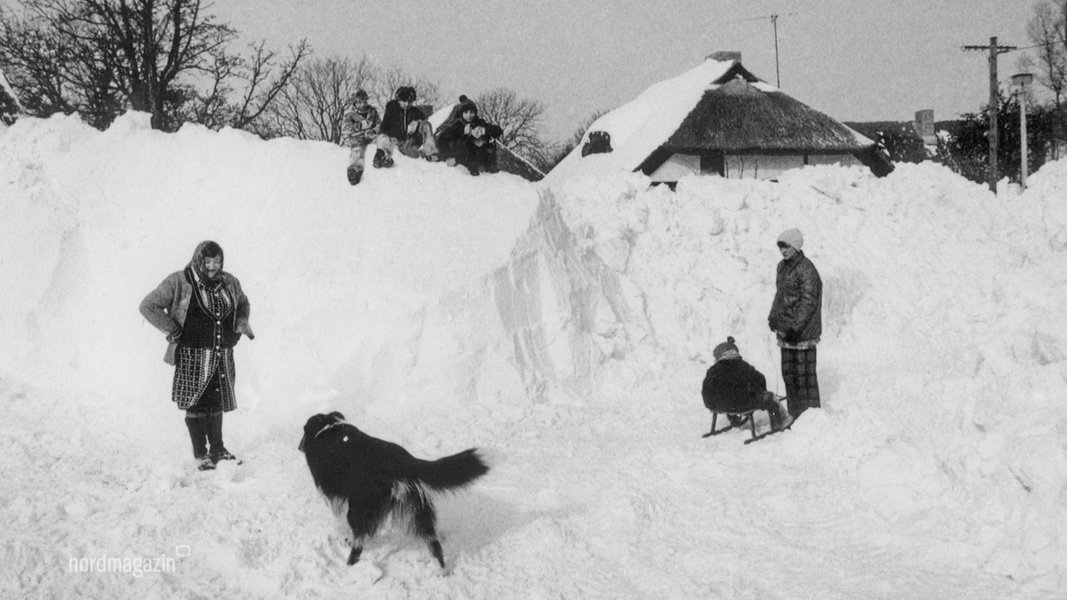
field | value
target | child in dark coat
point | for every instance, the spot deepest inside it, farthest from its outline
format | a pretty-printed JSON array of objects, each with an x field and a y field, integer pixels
[
  {"x": 468, "y": 139},
  {"x": 404, "y": 127},
  {"x": 733, "y": 385}
]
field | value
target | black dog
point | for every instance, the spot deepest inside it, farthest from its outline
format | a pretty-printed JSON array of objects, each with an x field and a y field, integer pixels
[{"x": 370, "y": 479}]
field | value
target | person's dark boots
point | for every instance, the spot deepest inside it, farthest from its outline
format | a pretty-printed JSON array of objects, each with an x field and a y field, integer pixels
[
  {"x": 779, "y": 420},
  {"x": 197, "y": 425},
  {"x": 354, "y": 175},
  {"x": 382, "y": 160},
  {"x": 214, "y": 437}
]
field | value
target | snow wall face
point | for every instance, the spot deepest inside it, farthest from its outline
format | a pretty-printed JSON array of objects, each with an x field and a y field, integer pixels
[
  {"x": 944, "y": 347},
  {"x": 421, "y": 290},
  {"x": 540, "y": 326}
]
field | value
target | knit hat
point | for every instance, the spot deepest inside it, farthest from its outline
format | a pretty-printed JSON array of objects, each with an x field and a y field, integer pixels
[
  {"x": 726, "y": 350},
  {"x": 466, "y": 104},
  {"x": 793, "y": 237}
]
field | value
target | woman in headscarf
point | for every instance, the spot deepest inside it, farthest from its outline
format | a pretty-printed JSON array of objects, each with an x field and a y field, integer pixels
[{"x": 203, "y": 311}]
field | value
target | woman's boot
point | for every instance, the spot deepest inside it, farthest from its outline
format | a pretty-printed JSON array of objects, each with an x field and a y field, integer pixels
[
  {"x": 214, "y": 436},
  {"x": 197, "y": 425}
]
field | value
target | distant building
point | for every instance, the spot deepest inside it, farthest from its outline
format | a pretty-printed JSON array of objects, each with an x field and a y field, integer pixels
[
  {"x": 924, "y": 126},
  {"x": 717, "y": 118}
]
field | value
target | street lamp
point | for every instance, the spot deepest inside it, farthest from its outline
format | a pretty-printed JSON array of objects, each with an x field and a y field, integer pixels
[{"x": 1022, "y": 82}]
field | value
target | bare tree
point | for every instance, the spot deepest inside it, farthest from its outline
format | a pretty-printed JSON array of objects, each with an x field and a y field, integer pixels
[
  {"x": 256, "y": 82},
  {"x": 56, "y": 74},
  {"x": 520, "y": 118},
  {"x": 314, "y": 106},
  {"x": 100, "y": 57},
  {"x": 1048, "y": 29},
  {"x": 389, "y": 79}
]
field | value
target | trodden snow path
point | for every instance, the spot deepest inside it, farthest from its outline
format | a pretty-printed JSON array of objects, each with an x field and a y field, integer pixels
[{"x": 584, "y": 501}]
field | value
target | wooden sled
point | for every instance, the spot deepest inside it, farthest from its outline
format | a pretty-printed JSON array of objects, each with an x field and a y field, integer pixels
[{"x": 745, "y": 416}]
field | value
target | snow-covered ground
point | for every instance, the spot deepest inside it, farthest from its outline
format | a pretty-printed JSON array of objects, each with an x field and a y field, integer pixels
[{"x": 565, "y": 330}]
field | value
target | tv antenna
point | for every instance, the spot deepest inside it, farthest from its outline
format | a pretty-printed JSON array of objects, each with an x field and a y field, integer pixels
[{"x": 774, "y": 24}]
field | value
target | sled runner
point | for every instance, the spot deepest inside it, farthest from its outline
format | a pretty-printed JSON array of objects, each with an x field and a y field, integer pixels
[{"x": 743, "y": 417}]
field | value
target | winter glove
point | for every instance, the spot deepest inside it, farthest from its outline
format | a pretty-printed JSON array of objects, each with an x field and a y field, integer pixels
[
  {"x": 244, "y": 328},
  {"x": 791, "y": 336}
]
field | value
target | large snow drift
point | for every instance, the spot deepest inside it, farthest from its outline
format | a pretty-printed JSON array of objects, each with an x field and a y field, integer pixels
[{"x": 565, "y": 330}]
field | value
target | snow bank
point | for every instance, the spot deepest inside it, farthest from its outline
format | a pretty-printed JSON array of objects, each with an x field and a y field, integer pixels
[
  {"x": 943, "y": 356},
  {"x": 564, "y": 328},
  {"x": 375, "y": 291}
]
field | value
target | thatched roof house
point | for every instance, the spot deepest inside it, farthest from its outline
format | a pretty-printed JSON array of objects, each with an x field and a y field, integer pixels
[{"x": 717, "y": 118}]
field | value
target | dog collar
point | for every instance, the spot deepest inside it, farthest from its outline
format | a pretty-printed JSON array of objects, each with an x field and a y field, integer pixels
[{"x": 329, "y": 426}]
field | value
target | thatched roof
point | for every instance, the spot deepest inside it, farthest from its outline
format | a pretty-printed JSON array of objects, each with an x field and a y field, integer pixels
[
  {"x": 716, "y": 107},
  {"x": 738, "y": 116}
]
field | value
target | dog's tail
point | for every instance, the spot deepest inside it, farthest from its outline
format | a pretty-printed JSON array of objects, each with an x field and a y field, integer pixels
[{"x": 452, "y": 472}]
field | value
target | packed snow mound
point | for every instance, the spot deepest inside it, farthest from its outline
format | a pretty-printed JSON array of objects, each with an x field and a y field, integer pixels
[
  {"x": 944, "y": 342},
  {"x": 564, "y": 327},
  {"x": 378, "y": 290}
]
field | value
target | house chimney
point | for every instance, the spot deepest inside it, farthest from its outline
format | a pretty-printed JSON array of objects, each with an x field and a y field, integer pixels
[{"x": 724, "y": 55}]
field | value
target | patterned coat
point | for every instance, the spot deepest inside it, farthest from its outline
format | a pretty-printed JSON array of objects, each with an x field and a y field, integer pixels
[
  {"x": 359, "y": 128},
  {"x": 796, "y": 313},
  {"x": 166, "y": 308}
]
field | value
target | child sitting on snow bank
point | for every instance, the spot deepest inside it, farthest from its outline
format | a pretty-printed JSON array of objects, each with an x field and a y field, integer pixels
[
  {"x": 468, "y": 139},
  {"x": 405, "y": 128},
  {"x": 358, "y": 130}
]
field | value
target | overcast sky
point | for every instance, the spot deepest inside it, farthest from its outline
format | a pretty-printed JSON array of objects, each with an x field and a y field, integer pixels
[{"x": 853, "y": 59}]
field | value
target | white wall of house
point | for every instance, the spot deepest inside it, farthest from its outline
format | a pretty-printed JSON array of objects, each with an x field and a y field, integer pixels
[
  {"x": 845, "y": 160},
  {"x": 676, "y": 167},
  {"x": 760, "y": 166},
  {"x": 747, "y": 166}
]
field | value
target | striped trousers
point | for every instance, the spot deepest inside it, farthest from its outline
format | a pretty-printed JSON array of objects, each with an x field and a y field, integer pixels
[{"x": 801, "y": 381}]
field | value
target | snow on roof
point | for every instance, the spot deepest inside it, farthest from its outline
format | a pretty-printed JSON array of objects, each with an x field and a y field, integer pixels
[
  {"x": 681, "y": 113},
  {"x": 638, "y": 127}
]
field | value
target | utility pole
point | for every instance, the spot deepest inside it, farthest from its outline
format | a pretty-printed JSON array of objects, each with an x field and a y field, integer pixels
[{"x": 994, "y": 105}]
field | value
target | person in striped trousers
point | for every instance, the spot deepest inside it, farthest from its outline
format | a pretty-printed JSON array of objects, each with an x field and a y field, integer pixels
[{"x": 796, "y": 318}]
